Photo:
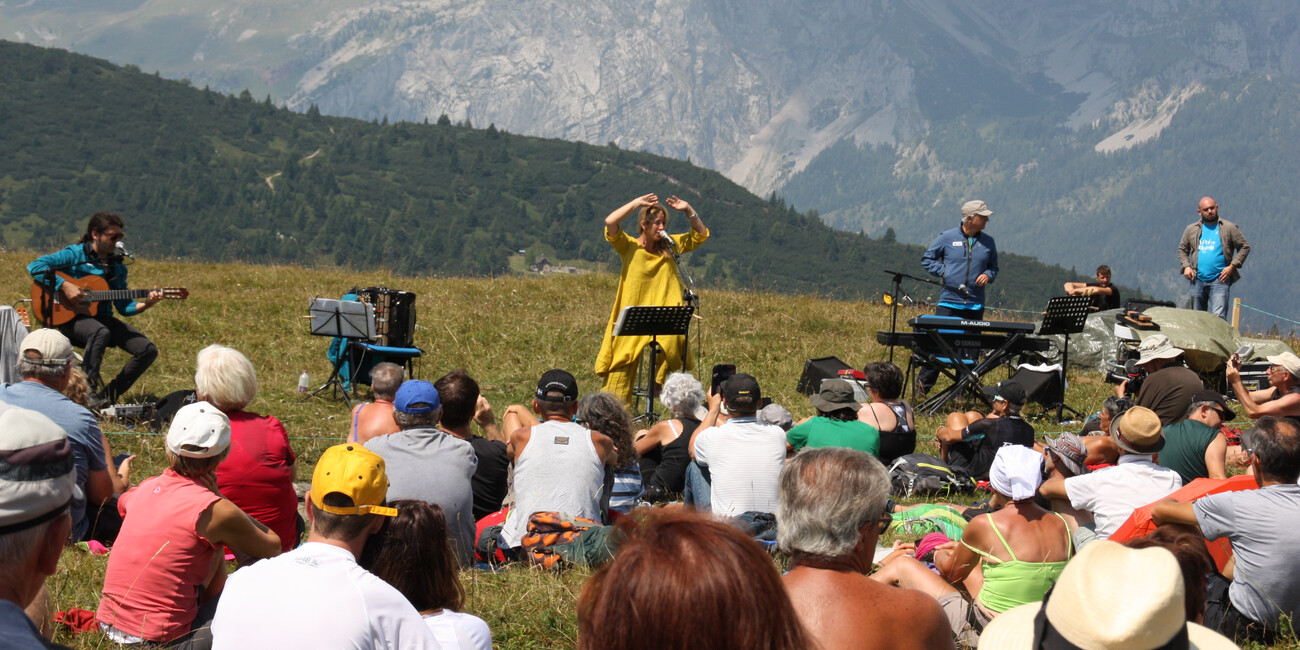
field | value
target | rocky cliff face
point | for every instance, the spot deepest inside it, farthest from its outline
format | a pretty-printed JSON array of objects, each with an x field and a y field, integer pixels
[{"x": 754, "y": 88}]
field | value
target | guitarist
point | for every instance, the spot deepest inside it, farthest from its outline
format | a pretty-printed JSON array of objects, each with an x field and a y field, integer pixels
[{"x": 97, "y": 254}]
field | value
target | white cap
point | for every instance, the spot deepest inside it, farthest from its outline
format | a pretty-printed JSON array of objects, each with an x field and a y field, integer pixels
[{"x": 199, "y": 430}]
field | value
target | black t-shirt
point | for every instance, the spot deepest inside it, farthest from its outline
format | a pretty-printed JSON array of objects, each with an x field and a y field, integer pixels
[
  {"x": 489, "y": 482},
  {"x": 980, "y": 442},
  {"x": 1103, "y": 301}
]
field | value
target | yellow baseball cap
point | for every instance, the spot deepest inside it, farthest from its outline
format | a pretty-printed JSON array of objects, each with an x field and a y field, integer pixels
[{"x": 355, "y": 471}]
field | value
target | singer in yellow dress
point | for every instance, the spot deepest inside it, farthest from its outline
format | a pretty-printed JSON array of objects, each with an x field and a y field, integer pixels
[{"x": 649, "y": 277}]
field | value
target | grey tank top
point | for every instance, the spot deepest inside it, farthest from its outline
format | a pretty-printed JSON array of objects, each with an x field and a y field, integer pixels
[{"x": 559, "y": 470}]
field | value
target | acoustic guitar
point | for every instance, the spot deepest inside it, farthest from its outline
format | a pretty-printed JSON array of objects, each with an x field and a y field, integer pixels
[{"x": 94, "y": 291}]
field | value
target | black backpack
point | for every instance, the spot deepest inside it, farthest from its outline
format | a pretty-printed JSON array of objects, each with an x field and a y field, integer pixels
[{"x": 925, "y": 474}]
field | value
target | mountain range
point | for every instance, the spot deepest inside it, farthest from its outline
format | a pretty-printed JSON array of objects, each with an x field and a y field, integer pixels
[{"x": 878, "y": 114}]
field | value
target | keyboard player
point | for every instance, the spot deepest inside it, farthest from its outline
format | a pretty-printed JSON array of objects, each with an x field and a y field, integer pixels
[{"x": 967, "y": 260}]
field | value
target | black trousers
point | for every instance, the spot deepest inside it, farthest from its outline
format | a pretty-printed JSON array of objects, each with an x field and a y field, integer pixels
[
  {"x": 94, "y": 335},
  {"x": 927, "y": 376}
]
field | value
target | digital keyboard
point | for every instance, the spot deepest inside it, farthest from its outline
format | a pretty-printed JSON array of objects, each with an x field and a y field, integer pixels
[
  {"x": 965, "y": 325},
  {"x": 923, "y": 343}
]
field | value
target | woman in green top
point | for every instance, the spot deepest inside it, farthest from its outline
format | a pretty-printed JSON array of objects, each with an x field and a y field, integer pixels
[
  {"x": 1023, "y": 548},
  {"x": 837, "y": 425}
]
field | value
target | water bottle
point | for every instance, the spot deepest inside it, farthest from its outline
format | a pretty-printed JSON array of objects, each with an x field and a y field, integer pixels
[{"x": 303, "y": 382}]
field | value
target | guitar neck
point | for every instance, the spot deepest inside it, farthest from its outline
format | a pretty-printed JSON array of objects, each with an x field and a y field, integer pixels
[{"x": 114, "y": 294}]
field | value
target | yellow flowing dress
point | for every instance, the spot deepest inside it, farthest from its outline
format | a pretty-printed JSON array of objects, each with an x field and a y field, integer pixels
[{"x": 647, "y": 279}]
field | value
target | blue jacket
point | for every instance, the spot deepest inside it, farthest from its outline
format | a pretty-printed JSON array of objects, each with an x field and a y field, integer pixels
[
  {"x": 84, "y": 262},
  {"x": 958, "y": 261}
]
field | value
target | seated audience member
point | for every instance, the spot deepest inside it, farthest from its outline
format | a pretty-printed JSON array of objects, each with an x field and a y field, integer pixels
[
  {"x": 1006, "y": 558},
  {"x": 45, "y": 363},
  {"x": 969, "y": 443},
  {"x": 606, "y": 413},
  {"x": 1280, "y": 399},
  {"x": 375, "y": 418},
  {"x": 662, "y": 447},
  {"x": 1065, "y": 456},
  {"x": 1020, "y": 547},
  {"x": 773, "y": 414},
  {"x": 888, "y": 412},
  {"x": 167, "y": 569},
  {"x": 1260, "y": 524},
  {"x": 1188, "y": 547},
  {"x": 829, "y": 520},
  {"x": 1169, "y": 384},
  {"x": 427, "y": 464},
  {"x": 257, "y": 474},
  {"x": 1103, "y": 500},
  {"x": 559, "y": 465},
  {"x": 36, "y": 492},
  {"x": 683, "y": 580},
  {"x": 1110, "y": 596},
  {"x": 462, "y": 404},
  {"x": 317, "y": 596},
  {"x": 837, "y": 423},
  {"x": 411, "y": 554},
  {"x": 1195, "y": 447},
  {"x": 1104, "y": 294},
  {"x": 743, "y": 457},
  {"x": 1111, "y": 408}
]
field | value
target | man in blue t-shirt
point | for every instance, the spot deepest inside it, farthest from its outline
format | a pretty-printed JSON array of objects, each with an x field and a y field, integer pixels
[{"x": 1210, "y": 253}]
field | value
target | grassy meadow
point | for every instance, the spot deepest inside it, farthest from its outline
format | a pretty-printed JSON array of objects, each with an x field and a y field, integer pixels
[{"x": 505, "y": 331}]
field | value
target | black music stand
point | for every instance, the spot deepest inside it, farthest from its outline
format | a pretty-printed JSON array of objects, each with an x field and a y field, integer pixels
[
  {"x": 1065, "y": 315},
  {"x": 343, "y": 319},
  {"x": 653, "y": 322}
]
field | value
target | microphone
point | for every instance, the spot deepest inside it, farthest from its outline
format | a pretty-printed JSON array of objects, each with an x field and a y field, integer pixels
[
  {"x": 122, "y": 251},
  {"x": 668, "y": 240}
]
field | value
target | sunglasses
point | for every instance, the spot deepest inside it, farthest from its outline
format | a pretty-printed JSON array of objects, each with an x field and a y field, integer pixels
[{"x": 883, "y": 523}]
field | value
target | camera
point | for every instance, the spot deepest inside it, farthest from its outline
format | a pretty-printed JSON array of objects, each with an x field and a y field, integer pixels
[{"x": 1132, "y": 373}]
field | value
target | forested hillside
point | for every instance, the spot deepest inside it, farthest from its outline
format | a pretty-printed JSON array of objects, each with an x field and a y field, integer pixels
[{"x": 206, "y": 176}]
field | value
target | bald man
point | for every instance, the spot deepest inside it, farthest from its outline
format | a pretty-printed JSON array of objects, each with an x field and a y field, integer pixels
[{"x": 1210, "y": 253}]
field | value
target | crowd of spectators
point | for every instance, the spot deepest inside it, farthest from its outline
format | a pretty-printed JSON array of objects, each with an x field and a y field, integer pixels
[{"x": 691, "y": 509}]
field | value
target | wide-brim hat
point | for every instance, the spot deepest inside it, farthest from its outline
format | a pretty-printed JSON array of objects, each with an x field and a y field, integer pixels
[
  {"x": 1157, "y": 346},
  {"x": 1109, "y": 597},
  {"x": 1138, "y": 431},
  {"x": 834, "y": 395}
]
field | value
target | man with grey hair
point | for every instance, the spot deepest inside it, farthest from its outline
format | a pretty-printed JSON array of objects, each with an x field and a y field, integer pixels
[
  {"x": 36, "y": 490},
  {"x": 45, "y": 363},
  {"x": 376, "y": 418},
  {"x": 966, "y": 258},
  {"x": 428, "y": 464},
  {"x": 830, "y": 516},
  {"x": 1263, "y": 597}
]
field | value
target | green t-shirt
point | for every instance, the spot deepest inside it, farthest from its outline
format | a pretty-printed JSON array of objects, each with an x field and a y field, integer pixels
[
  {"x": 825, "y": 432},
  {"x": 1184, "y": 451}
]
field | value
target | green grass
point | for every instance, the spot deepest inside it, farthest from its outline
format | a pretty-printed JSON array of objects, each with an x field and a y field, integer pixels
[{"x": 506, "y": 331}]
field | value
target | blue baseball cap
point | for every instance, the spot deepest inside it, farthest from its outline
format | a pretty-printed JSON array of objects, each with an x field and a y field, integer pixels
[{"x": 417, "y": 397}]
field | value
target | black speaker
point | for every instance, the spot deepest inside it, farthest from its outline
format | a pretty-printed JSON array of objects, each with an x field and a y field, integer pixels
[
  {"x": 165, "y": 409},
  {"x": 816, "y": 370},
  {"x": 1042, "y": 387}
]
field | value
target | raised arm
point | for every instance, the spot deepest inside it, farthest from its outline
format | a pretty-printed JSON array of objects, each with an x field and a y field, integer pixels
[
  {"x": 616, "y": 217},
  {"x": 710, "y": 420},
  {"x": 697, "y": 224},
  {"x": 1255, "y": 404}
]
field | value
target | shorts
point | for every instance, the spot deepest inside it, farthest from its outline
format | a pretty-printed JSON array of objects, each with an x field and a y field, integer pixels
[{"x": 965, "y": 619}]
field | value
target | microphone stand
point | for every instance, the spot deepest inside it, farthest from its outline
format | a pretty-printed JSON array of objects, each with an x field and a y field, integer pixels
[
  {"x": 689, "y": 297},
  {"x": 893, "y": 315}
]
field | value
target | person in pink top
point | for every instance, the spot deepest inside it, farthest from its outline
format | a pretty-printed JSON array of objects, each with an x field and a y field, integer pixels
[
  {"x": 166, "y": 571},
  {"x": 258, "y": 473}
]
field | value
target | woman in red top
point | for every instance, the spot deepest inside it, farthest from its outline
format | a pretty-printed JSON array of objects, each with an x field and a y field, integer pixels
[{"x": 258, "y": 474}]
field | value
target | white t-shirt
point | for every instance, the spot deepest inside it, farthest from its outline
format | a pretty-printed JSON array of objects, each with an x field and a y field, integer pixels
[
  {"x": 1113, "y": 493},
  {"x": 459, "y": 631},
  {"x": 315, "y": 596},
  {"x": 744, "y": 460}
]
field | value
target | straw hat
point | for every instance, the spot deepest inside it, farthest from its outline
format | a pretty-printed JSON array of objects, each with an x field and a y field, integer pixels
[
  {"x": 1109, "y": 597},
  {"x": 1138, "y": 431}
]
